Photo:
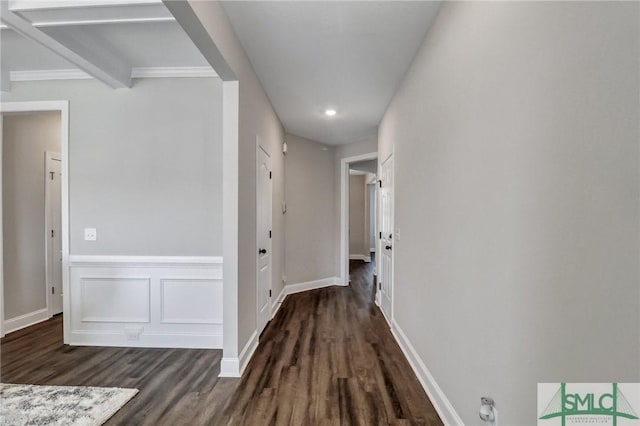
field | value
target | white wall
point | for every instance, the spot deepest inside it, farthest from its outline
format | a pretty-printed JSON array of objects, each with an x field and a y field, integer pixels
[
  {"x": 25, "y": 139},
  {"x": 145, "y": 164},
  {"x": 357, "y": 216},
  {"x": 311, "y": 231},
  {"x": 516, "y": 140}
]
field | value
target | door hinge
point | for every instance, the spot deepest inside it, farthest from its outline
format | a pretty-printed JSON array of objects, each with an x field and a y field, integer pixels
[
  {"x": 269, "y": 175},
  {"x": 269, "y": 293},
  {"x": 269, "y": 234},
  {"x": 53, "y": 233},
  {"x": 379, "y": 285},
  {"x": 380, "y": 236},
  {"x": 380, "y": 183},
  {"x": 52, "y": 175},
  {"x": 53, "y": 290}
]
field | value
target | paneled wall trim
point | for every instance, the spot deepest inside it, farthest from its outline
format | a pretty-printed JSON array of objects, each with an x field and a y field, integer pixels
[{"x": 146, "y": 301}]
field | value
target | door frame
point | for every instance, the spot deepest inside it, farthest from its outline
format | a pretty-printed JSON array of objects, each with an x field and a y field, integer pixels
[
  {"x": 373, "y": 184},
  {"x": 49, "y": 157},
  {"x": 63, "y": 108},
  {"x": 261, "y": 146},
  {"x": 379, "y": 242},
  {"x": 344, "y": 211}
]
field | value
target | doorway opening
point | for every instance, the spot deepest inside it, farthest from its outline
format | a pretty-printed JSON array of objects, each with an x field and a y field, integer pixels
[
  {"x": 357, "y": 180},
  {"x": 33, "y": 213},
  {"x": 362, "y": 210}
]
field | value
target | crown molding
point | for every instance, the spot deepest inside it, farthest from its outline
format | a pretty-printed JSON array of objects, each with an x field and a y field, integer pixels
[
  {"x": 149, "y": 72},
  {"x": 63, "y": 74}
]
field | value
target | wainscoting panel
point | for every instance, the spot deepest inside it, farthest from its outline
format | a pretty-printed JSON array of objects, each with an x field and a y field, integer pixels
[
  {"x": 115, "y": 299},
  {"x": 188, "y": 301},
  {"x": 169, "y": 302}
]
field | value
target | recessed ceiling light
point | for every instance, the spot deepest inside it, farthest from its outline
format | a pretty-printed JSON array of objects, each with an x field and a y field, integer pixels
[{"x": 330, "y": 112}]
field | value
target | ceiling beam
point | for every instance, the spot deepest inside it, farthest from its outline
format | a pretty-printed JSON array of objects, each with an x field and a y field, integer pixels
[
  {"x": 66, "y": 4},
  {"x": 197, "y": 32},
  {"x": 51, "y": 14},
  {"x": 69, "y": 44}
]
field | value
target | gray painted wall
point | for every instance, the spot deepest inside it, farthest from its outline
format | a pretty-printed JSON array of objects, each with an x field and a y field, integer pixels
[
  {"x": 145, "y": 164},
  {"x": 313, "y": 207},
  {"x": 25, "y": 140},
  {"x": 357, "y": 215},
  {"x": 257, "y": 117},
  {"x": 516, "y": 139},
  {"x": 310, "y": 223}
]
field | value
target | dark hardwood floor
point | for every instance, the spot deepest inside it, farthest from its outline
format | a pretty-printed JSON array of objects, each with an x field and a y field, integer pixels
[{"x": 327, "y": 358}]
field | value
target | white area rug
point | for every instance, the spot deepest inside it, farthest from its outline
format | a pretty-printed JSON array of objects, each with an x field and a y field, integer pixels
[{"x": 60, "y": 405}]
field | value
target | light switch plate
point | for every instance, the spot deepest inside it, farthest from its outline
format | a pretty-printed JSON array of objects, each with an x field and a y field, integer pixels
[{"x": 90, "y": 234}]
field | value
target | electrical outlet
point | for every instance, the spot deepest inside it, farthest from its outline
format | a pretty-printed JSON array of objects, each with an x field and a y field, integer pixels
[
  {"x": 133, "y": 333},
  {"x": 90, "y": 234}
]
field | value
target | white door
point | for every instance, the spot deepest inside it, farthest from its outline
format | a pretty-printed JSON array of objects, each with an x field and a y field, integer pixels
[
  {"x": 263, "y": 226},
  {"x": 53, "y": 230},
  {"x": 385, "y": 278}
]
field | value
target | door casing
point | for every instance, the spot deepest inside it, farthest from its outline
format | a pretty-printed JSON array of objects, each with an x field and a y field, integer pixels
[
  {"x": 263, "y": 314},
  {"x": 344, "y": 212},
  {"x": 55, "y": 304},
  {"x": 387, "y": 232},
  {"x": 63, "y": 108}
]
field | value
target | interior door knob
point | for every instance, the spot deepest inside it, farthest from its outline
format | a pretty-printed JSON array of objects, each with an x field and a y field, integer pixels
[
  {"x": 387, "y": 247},
  {"x": 262, "y": 251}
]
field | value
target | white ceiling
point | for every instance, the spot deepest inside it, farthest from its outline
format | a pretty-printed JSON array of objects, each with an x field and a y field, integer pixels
[
  {"x": 133, "y": 34},
  {"x": 314, "y": 55}
]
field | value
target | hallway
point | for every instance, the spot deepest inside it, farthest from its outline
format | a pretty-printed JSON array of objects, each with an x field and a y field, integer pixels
[{"x": 328, "y": 357}]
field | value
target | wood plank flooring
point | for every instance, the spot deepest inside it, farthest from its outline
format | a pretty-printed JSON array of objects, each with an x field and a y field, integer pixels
[{"x": 327, "y": 358}]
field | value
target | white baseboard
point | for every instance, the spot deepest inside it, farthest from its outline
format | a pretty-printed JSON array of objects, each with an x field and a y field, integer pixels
[
  {"x": 26, "y": 320},
  {"x": 229, "y": 367},
  {"x": 436, "y": 395},
  {"x": 310, "y": 285},
  {"x": 277, "y": 303},
  {"x": 146, "y": 340},
  {"x": 234, "y": 367},
  {"x": 248, "y": 351}
]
